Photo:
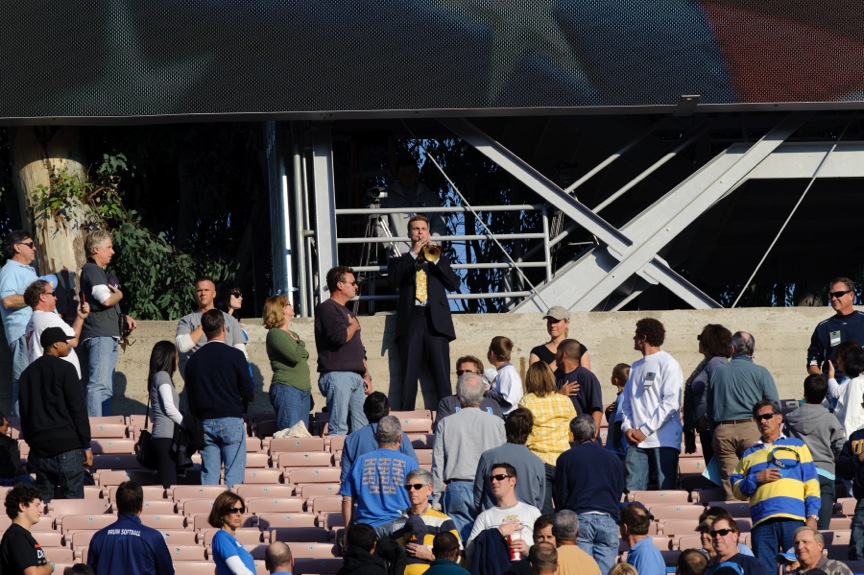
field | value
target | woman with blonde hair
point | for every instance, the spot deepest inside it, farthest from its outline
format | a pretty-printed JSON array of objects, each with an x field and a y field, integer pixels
[
  {"x": 558, "y": 327},
  {"x": 291, "y": 387},
  {"x": 623, "y": 569},
  {"x": 552, "y": 413}
]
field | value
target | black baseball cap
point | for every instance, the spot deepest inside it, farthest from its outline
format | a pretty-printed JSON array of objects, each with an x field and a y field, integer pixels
[{"x": 52, "y": 335}]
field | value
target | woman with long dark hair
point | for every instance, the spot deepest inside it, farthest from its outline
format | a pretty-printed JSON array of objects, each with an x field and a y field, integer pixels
[
  {"x": 229, "y": 298},
  {"x": 164, "y": 411},
  {"x": 714, "y": 345}
]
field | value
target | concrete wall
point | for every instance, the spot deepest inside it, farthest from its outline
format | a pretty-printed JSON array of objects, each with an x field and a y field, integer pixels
[{"x": 782, "y": 336}]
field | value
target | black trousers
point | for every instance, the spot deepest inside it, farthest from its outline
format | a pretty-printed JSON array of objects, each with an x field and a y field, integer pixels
[
  {"x": 423, "y": 342},
  {"x": 166, "y": 464}
]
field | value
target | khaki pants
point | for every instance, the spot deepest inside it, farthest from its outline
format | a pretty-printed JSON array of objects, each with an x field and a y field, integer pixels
[{"x": 731, "y": 440}]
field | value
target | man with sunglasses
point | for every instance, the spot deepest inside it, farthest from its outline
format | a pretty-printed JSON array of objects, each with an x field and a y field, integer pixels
[
  {"x": 16, "y": 275},
  {"x": 420, "y": 524},
  {"x": 341, "y": 354},
  {"x": 779, "y": 478},
  {"x": 846, "y": 324},
  {"x": 724, "y": 537},
  {"x": 510, "y": 519},
  {"x": 41, "y": 298}
]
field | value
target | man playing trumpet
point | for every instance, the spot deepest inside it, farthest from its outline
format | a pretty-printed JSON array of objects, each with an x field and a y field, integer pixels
[{"x": 424, "y": 328}]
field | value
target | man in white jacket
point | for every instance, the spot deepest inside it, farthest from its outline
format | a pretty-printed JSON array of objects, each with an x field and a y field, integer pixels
[{"x": 651, "y": 422}]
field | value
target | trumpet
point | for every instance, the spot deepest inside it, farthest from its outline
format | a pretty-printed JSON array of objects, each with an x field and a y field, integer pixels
[{"x": 431, "y": 253}]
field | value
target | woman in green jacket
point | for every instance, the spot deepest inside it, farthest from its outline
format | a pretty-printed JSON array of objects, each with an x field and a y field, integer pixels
[{"x": 291, "y": 388}]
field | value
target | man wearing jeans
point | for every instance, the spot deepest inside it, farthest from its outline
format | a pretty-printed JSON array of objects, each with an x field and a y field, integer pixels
[
  {"x": 344, "y": 380},
  {"x": 651, "y": 422},
  {"x": 219, "y": 388},
  {"x": 54, "y": 420},
  {"x": 16, "y": 275},
  {"x": 589, "y": 480},
  {"x": 102, "y": 331}
]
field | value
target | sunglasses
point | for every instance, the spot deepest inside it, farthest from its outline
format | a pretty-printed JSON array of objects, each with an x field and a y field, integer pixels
[
  {"x": 415, "y": 486},
  {"x": 236, "y": 510},
  {"x": 29, "y": 244},
  {"x": 237, "y": 294},
  {"x": 461, "y": 371},
  {"x": 721, "y": 532},
  {"x": 765, "y": 416},
  {"x": 51, "y": 293},
  {"x": 839, "y": 294},
  {"x": 354, "y": 283},
  {"x": 499, "y": 477},
  {"x": 784, "y": 458}
]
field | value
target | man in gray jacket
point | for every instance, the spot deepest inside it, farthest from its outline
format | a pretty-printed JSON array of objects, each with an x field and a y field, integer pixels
[{"x": 824, "y": 435}]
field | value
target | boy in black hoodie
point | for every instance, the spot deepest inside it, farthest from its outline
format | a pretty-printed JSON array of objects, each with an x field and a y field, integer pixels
[
  {"x": 824, "y": 435},
  {"x": 360, "y": 541}
]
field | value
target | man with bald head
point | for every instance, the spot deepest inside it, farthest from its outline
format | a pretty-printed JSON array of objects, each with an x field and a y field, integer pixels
[
  {"x": 278, "y": 559},
  {"x": 733, "y": 390}
]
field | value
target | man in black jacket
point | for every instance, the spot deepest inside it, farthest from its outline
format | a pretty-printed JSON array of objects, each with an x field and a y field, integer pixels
[
  {"x": 54, "y": 420},
  {"x": 360, "y": 559},
  {"x": 424, "y": 327},
  {"x": 219, "y": 388}
]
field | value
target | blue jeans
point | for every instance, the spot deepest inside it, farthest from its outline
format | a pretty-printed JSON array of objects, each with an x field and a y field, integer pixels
[
  {"x": 772, "y": 537},
  {"x": 20, "y": 361},
  {"x": 101, "y": 363},
  {"x": 598, "y": 537},
  {"x": 856, "y": 545},
  {"x": 345, "y": 396},
  {"x": 638, "y": 462},
  {"x": 457, "y": 501},
  {"x": 291, "y": 405},
  {"x": 224, "y": 441},
  {"x": 62, "y": 474}
]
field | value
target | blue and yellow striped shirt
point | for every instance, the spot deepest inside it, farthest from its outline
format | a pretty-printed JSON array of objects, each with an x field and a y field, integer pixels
[{"x": 794, "y": 496}]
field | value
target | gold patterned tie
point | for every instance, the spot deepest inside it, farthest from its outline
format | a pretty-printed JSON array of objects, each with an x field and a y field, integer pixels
[{"x": 420, "y": 293}]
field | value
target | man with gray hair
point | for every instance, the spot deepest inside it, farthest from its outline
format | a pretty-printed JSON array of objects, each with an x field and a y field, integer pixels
[
  {"x": 377, "y": 479},
  {"x": 418, "y": 526},
  {"x": 571, "y": 559},
  {"x": 589, "y": 481},
  {"x": 808, "y": 544},
  {"x": 460, "y": 440},
  {"x": 734, "y": 388}
]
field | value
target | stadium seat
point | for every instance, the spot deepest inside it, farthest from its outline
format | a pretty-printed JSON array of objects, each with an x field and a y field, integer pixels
[
  {"x": 839, "y": 537},
  {"x": 317, "y": 566},
  {"x": 257, "y": 460},
  {"x": 416, "y": 424},
  {"x": 106, "y": 430},
  {"x": 735, "y": 508},
  {"x": 254, "y": 445},
  {"x": 840, "y": 524},
  {"x": 300, "y": 534},
  {"x": 58, "y": 554},
  {"x": 707, "y": 494},
  {"x": 688, "y": 542},
  {"x": 332, "y": 520},
  {"x": 313, "y": 550},
  {"x": 313, "y": 489},
  {"x": 180, "y": 537},
  {"x": 186, "y": 553},
  {"x": 267, "y": 521},
  {"x": 265, "y": 475},
  {"x": 189, "y": 507},
  {"x": 258, "y": 505},
  {"x": 672, "y": 527},
  {"x": 79, "y": 538},
  {"x": 158, "y": 507},
  {"x": 324, "y": 503},
  {"x": 668, "y": 496},
  {"x": 302, "y": 476},
  {"x": 337, "y": 442},
  {"x": 84, "y": 522},
  {"x": 198, "y": 521},
  {"x": 116, "y": 461},
  {"x": 292, "y": 459},
  {"x": 264, "y": 490},
  {"x": 181, "y": 492},
  {"x": 160, "y": 522},
  {"x": 282, "y": 444},
  {"x": 107, "y": 478},
  {"x": 691, "y": 466},
  {"x": 60, "y": 507},
  {"x": 847, "y": 506},
  {"x": 245, "y": 535},
  {"x": 51, "y": 539},
  {"x": 424, "y": 456},
  {"x": 422, "y": 441},
  {"x": 112, "y": 445},
  {"x": 687, "y": 511},
  {"x": 197, "y": 568}
]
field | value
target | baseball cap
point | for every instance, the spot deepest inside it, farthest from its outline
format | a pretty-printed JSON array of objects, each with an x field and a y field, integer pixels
[
  {"x": 52, "y": 335},
  {"x": 558, "y": 313},
  {"x": 788, "y": 557}
]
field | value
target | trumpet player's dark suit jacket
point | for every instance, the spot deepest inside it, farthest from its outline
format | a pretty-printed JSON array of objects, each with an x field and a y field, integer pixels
[{"x": 423, "y": 331}]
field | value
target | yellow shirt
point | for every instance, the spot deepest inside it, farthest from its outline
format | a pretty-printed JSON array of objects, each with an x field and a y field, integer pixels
[{"x": 552, "y": 416}]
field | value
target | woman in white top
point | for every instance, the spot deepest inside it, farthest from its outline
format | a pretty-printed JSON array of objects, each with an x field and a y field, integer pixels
[{"x": 164, "y": 411}]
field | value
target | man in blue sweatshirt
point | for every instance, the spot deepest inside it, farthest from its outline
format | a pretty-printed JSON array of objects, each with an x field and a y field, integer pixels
[
  {"x": 220, "y": 388},
  {"x": 127, "y": 545}
]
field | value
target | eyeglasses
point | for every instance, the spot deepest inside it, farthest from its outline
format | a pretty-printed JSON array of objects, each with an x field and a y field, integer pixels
[
  {"x": 839, "y": 294},
  {"x": 765, "y": 416},
  {"x": 51, "y": 293},
  {"x": 237, "y": 293},
  {"x": 720, "y": 532},
  {"x": 236, "y": 510},
  {"x": 461, "y": 371},
  {"x": 29, "y": 244},
  {"x": 354, "y": 283},
  {"x": 415, "y": 486},
  {"x": 499, "y": 477}
]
